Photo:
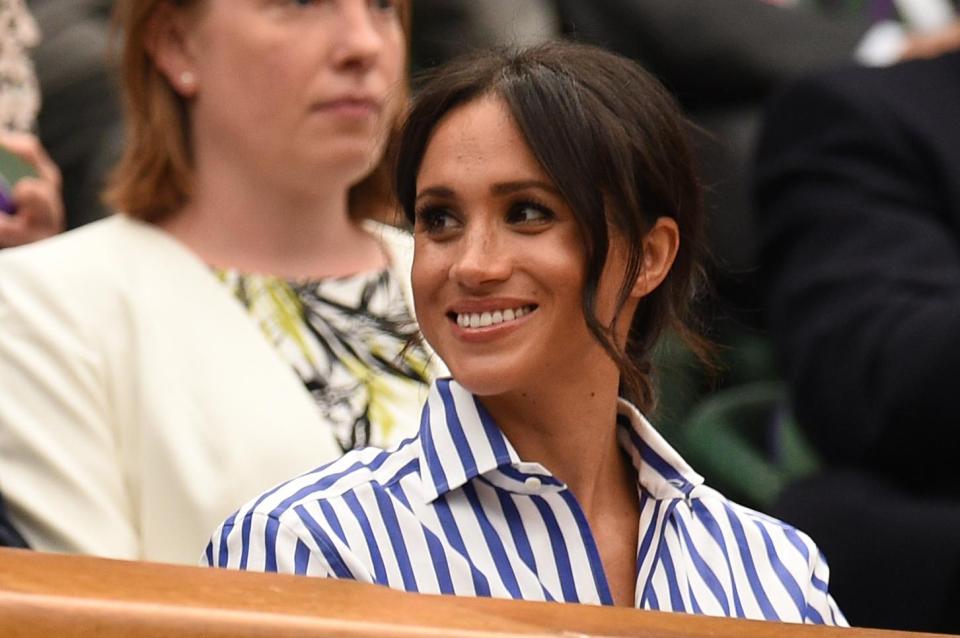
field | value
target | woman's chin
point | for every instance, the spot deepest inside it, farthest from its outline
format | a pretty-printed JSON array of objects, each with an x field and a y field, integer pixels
[
  {"x": 351, "y": 161},
  {"x": 485, "y": 382}
]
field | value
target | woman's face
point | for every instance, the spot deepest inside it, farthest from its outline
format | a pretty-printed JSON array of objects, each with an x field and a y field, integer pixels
[
  {"x": 498, "y": 270},
  {"x": 296, "y": 89}
]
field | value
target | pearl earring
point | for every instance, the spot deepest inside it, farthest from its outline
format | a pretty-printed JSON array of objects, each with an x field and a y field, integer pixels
[{"x": 187, "y": 79}]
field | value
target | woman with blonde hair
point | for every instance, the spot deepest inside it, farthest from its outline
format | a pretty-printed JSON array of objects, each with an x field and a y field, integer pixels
[{"x": 239, "y": 321}]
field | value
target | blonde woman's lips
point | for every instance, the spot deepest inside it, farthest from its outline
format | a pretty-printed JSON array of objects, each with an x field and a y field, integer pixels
[{"x": 350, "y": 107}]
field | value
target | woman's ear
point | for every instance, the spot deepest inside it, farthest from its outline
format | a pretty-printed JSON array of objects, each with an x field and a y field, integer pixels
[
  {"x": 660, "y": 246},
  {"x": 169, "y": 43}
]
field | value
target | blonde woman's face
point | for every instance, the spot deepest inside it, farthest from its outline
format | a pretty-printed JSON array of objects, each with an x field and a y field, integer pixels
[{"x": 300, "y": 89}]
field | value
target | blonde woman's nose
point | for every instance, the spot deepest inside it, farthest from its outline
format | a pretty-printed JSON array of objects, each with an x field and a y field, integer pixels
[{"x": 358, "y": 40}]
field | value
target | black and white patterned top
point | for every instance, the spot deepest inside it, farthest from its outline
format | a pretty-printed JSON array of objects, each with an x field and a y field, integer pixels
[{"x": 352, "y": 342}]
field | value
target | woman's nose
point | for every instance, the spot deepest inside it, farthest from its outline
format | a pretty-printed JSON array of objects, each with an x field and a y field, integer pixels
[
  {"x": 481, "y": 259},
  {"x": 358, "y": 40}
]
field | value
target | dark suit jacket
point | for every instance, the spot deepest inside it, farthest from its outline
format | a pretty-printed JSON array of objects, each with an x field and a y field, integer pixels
[
  {"x": 711, "y": 52},
  {"x": 858, "y": 196},
  {"x": 721, "y": 58},
  {"x": 9, "y": 536}
]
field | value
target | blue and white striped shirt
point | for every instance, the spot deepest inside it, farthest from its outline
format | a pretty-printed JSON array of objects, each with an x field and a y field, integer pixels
[{"x": 454, "y": 510}]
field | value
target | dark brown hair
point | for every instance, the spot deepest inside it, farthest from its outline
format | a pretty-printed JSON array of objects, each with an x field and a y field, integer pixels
[
  {"x": 154, "y": 177},
  {"x": 614, "y": 143}
]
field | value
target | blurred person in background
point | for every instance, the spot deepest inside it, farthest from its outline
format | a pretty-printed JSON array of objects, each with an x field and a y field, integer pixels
[
  {"x": 80, "y": 124},
  {"x": 858, "y": 201},
  {"x": 445, "y": 29},
  {"x": 30, "y": 207},
  {"x": 239, "y": 321},
  {"x": 20, "y": 97}
]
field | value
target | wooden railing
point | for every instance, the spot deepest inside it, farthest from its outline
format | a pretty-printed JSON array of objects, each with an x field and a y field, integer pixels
[{"x": 75, "y": 596}]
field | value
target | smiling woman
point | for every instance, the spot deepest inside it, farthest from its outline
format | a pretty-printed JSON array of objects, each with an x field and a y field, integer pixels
[
  {"x": 243, "y": 319},
  {"x": 495, "y": 236},
  {"x": 557, "y": 221}
]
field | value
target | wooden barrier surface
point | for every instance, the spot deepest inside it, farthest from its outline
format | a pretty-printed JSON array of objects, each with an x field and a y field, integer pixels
[{"x": 80, "y": 597}]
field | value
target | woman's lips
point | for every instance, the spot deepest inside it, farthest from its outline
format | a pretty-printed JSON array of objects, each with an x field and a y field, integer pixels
[
  {"x": 350, "y": 107},
  {"x": 486, "y": 325}
]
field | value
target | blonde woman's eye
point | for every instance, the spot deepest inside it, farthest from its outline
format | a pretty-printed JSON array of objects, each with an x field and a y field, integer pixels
[{"x": 385, "y": 5}]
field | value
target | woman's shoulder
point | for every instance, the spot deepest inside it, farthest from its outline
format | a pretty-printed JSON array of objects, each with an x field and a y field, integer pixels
[
  {"x": 356, "y": 475},
  {"x": 776, "y": 570},
  {"x": 102, "y": 245},
  {"x": 396, "y": 241},
  {"x": 69, "y": 274},
  {"x": 388, "y": 233},
  {"x": 310, "y": 506},
  {"x": 88, "y": 275},
  {"x": 751, "y": 529}
]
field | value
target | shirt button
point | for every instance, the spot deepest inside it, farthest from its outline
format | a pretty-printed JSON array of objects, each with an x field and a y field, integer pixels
[{"x": 533, "y": 483}]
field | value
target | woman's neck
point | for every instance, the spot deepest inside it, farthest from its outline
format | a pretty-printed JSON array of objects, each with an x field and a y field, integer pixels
[
  {"x": 571, "y": 430},
  {"x": 235, "y": 221}
]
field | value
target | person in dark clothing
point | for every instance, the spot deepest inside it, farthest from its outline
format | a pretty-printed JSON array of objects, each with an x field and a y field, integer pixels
[
  {"x": 80, "y": 122},
  {"x": 858, "y": 196}
]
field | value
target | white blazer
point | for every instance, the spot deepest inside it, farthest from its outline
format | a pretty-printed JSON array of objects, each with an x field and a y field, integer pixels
[{"x": 139, "y": 403}]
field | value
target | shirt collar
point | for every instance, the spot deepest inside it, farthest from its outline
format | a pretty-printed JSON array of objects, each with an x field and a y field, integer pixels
[
  {"x": 459, "y": 441},
  {"x": 661, "y": 471}
]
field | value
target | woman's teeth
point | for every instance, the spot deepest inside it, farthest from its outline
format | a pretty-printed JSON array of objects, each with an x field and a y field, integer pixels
[{"x": 484, "y": 319}]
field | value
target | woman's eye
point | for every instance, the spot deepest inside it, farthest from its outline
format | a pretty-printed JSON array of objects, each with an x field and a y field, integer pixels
[
  {"x": 385, "y": 5},
  {"x": 435, "y": 221},
  {"x": 382, "y": 6},
  {"x": 528, "y": 213}
]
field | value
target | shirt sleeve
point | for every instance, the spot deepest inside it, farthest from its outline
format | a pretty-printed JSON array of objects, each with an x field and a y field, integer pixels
[
  {"x": 822, "y": 609},
  {"x": 259, "y": 541},
  {"x": 59, "y": 445}
]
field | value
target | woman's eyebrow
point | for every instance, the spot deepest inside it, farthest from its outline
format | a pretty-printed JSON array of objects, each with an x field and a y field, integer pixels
[
  {"x": 499, "y": 189},
  {"x": 435, "y": 191},
  {"x": 507, "y": 188}
]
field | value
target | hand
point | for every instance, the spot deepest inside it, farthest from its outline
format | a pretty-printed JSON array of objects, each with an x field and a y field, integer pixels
[
  {"x": 39, "y": 204},
  {"x": 930, "y": 45}
]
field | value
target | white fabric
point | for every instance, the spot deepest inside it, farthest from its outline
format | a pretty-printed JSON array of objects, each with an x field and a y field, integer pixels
[
  {"x": 926, "y": 16},
  {"x": 882, "y": 45},
  {"x": 885, "y": 42},
  {"x": 139, "y": 404}
]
